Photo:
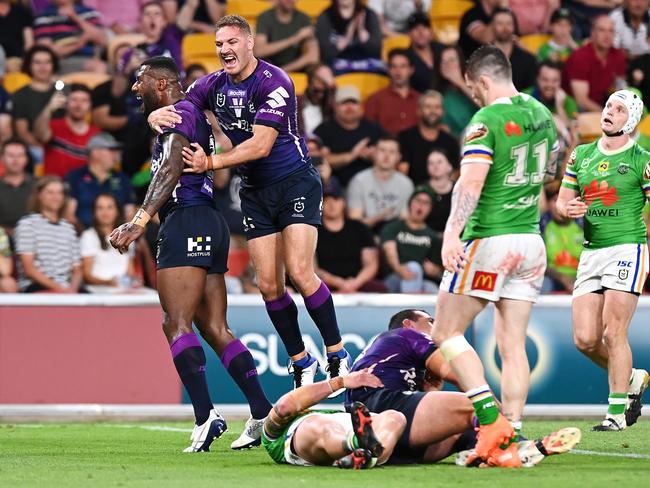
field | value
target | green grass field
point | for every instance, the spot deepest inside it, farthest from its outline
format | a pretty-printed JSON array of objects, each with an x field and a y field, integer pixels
[{"x": 144, "y": 454}]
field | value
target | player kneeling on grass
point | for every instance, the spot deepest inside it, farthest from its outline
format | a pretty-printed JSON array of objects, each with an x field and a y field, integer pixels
[{"x": 294, "y": 434}]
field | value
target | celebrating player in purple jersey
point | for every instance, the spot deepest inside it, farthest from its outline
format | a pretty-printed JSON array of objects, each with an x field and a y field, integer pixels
[
  {"x": 281, "y": 194},
  {"x": 192, "y": 252}
]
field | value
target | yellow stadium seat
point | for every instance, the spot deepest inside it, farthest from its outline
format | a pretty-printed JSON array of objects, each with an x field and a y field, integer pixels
[
  {"x": 249, "y": 9},
  {"x": 644, "y": 126},
  {"x": 313, "y": 8},
  {"x": 88, "y": 78},
  {"x": 121, "y": 40},
  {"x": 15, "y": 81},
  {"x": 198, "y": 45},
  {"x": 367, "y": 83},
  {"x": 299, "y": 82},
  {"x": 533, "y": 42},
  {"x": 210, "y": 63},
  {"x": 449, "y": 8},
  {"x": 589, "y": 126},
  {"x": 400, "y": 41}
]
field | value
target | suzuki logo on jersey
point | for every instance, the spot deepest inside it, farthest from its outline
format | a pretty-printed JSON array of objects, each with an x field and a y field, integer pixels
[
  {"x": 512, "y": 128},
  {"x": 602, "y": 190},
  {"x": 278, "y": 97},
  {"x": 198, "y": 246},
  {"x": 484, "y": 281}
]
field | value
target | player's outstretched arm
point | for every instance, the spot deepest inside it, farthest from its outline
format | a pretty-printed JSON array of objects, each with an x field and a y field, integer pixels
[
  {"x": 293, "y": 403},
  {"x": 160, "y": 189},
  {"x": 464, "y": 199}
]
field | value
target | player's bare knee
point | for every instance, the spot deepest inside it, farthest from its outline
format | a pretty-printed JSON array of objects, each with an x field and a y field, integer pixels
[
  {"x": 396, "y": 420},
  {"x": 270, "y": 289},
  {"x": 585, "y": 341},
  {"x": 304, "y": 279}
]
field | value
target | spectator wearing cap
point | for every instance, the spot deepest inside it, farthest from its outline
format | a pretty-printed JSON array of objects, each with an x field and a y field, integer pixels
[
  {"x": 631, "y": 27},
  {"x": 394, "y": 107},
  {"x": 98, "y": 176},
  {"x": 317, "y": 103},
  {"x": 561, "y": 44},
  {"x": 379, "y": 194},
  {"x": 65, "y": 139},
  {"x": 348, "y": 136},
  {"x": 16, "y": 184},
  {"x": 524, "y": 64},
  {"x": 346, "y": 254},
  {"x": 394, "y": 14},
  {"x": 595, "y": 69},
  {"x": 349, "y": 37},
  {"x": 475, "y": 28},
  {"x": 424, "y": 51},
  {"x": 533, "y": 16}
]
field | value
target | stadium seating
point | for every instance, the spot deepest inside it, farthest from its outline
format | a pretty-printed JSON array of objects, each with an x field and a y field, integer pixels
[
  {"x": 367, "y": 83},
  {"x": 589, "y": 126},
  {"x": 238, "y": 260},
  {"x": 401, "y": 41},
  {"x": 644, "y": 126},
  {"x": 14, "y": 81},
  {"x": 88, "y": 78},
  {"x": 299, "y": 82},
  {"x": 249, "y": 9},
  {"x": 313, "y": 8},
  {"x": 199, "y": 49},
  {"x": 533, "y": 42},
  {"x": 445, "y": 18}
]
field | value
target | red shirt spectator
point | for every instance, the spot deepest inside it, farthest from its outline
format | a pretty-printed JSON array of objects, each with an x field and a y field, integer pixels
[{"x": 66, "y": 150}]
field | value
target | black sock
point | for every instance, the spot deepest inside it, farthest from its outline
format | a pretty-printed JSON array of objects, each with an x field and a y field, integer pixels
[
  {"x": 189, "y": 360},
  {"x": 321, "y": 309},
  {"x": 284, "y": 315}
]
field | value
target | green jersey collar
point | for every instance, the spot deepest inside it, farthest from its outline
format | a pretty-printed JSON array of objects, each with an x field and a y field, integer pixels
[
  {"x": 607, "y": 152},
  {"x": 508, "y": 100}
]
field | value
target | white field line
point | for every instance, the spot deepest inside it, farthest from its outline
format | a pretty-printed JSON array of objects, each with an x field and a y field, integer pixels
[{"x": 630, "y": 455}]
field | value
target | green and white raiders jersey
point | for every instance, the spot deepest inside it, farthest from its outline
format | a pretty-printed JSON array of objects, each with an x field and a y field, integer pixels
[
  {"x": 615, "y": 185},
  {"x": 518, "y": 138}
]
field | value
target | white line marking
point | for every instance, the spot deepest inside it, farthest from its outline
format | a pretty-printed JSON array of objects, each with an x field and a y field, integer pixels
[
  {"x": 150, "y": 427},
  {"x": 630, "y": 455}
]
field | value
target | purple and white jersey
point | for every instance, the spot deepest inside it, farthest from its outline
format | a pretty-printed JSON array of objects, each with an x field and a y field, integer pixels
[
  {"x": 399, "y": 357},
  {"x": 192, "y": 188},
  {"x": 266, "y": 97}
]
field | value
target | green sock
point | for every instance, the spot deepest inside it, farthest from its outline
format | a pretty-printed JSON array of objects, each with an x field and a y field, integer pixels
[
  {"x": 351, "y": 442},
  {"x": 517, "y": 427},
  {"x": 617, "y": 402},
  {"x": 484, "y": 405}
]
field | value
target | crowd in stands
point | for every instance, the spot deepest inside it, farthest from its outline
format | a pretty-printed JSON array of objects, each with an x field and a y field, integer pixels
[{"x": 382, "y": 104}]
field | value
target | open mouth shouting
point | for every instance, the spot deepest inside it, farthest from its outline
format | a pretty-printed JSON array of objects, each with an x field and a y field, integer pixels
[{"x": 229, "y": 60}]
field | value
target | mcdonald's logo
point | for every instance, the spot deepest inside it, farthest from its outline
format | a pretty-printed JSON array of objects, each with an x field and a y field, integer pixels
[{"x": 484, "y": 281}]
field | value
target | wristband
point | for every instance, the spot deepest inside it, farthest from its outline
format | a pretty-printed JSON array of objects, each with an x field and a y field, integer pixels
[
  {"x": 213, "y": 164},
  {"x": 336, "y": 384},
  {"x": 141, "y": 218}
]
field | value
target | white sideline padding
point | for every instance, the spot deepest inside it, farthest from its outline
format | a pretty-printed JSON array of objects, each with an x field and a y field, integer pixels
[{"x": 84, "y": 412}]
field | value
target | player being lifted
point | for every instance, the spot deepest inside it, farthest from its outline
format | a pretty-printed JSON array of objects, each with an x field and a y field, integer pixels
[
  {"x": 192, "y": 252},
  {"x": 510, "y": 145},
  {"x": 608, "y": 182},
  {"x": 281, "y": 193}
]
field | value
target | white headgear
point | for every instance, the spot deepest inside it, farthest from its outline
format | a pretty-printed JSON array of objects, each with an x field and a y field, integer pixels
[{"x": 634, "y": 107}]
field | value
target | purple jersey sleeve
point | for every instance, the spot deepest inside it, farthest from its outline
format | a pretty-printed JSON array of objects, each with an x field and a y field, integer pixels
[
  {"x": 421, "y": 344},
  {"x": 187, "y": 127},
  {"x": 277, "y": 97},
  {"x": 198, "y": 92}
]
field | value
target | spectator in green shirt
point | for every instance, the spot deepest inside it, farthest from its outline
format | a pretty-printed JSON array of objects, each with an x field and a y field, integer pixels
[{"x": 561, "y": 44}]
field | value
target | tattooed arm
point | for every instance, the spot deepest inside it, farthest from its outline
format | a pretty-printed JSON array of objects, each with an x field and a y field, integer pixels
[
  {"x": 160, "y": 189},
  {"x": 464, "y": 199}
]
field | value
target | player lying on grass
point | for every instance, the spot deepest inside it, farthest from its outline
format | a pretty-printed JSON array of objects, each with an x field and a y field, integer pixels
[{"x": 438, "y": 423}]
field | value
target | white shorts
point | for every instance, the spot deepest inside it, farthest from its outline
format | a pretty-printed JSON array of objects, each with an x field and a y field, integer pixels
[
  {"x": 505, "y": 266},
  {"x": 343, "y": 418},
  {"x": 623, "y": 267}
]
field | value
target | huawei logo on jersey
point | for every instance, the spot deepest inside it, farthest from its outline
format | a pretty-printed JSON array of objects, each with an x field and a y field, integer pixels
[
  {"x": 512, "y": 128},
  {"x": 594, "y": 190}
]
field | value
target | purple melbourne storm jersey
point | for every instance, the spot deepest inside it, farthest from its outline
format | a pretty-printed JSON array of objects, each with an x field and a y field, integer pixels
[
  {"x": 266, "y": 97},
  {"x": 398, "y": 358},
  {"x": 192, "y": 188}
]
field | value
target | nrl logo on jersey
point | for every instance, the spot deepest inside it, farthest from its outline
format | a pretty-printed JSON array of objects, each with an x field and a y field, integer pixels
[
  {"x": 221, "y": 99},
  {"x": 475, "y": 131}
]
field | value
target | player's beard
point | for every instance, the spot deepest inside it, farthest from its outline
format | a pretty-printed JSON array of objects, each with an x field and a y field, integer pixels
[{"x": 149, "y": 104}]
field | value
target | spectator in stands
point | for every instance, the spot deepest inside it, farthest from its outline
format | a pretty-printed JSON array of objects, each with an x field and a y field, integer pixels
[
  {"x": 46, "y": 244},
  {"x": 561, "y": 44},
  {"x": 585, "y": 11},
  {"x": 417, "y": 143},
  {"x": 317, "y": 103},
  {"x": 412, "y": 249},
  {"x": 394, "y": 107},
  {"x": 639, "y": 76},
  {"x": 631, "y": 22},
  {"x": 349, "y": 37},
  {"x": 99, "y": 176},
  {"x": 6, "y": 123},
  {"x": 524, "y": 64},
  {"x": 207, "y": 13},
  {"x": 117, "y": 110},
  {"x": 348, "y": 136},
  {"x": 595, "y": 69},
  {"x": 65, "y": 139},
  {"x": 119, "y": 17},
  {"x": 533, "y": 16},
  {"x": 346, "y": 254},
  {"x": 439, "y": 187},
  {"x": 192, "y": 73},
  {"x": 424, "y": 51},
  {"x": 40, "y": 64},
  {"x": 16, "y": 34},
  {"x": 285, "y": 37},
  {"x": 103, "y": 267},
  {"x": 7, "y": 282},
  {"x": 475, "y": 29},
  {"x": 457, "y": 99},
  {"x": 379, "y": 194},
  {"x": 563, "y": 239},
  {"x": 548, "y": 90},
  {"x": 319, "y": 158},
  {"x": 394, "y": 14},
  {"x": 16, "y": 184},
  {"x": 72, "y": 30}
]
